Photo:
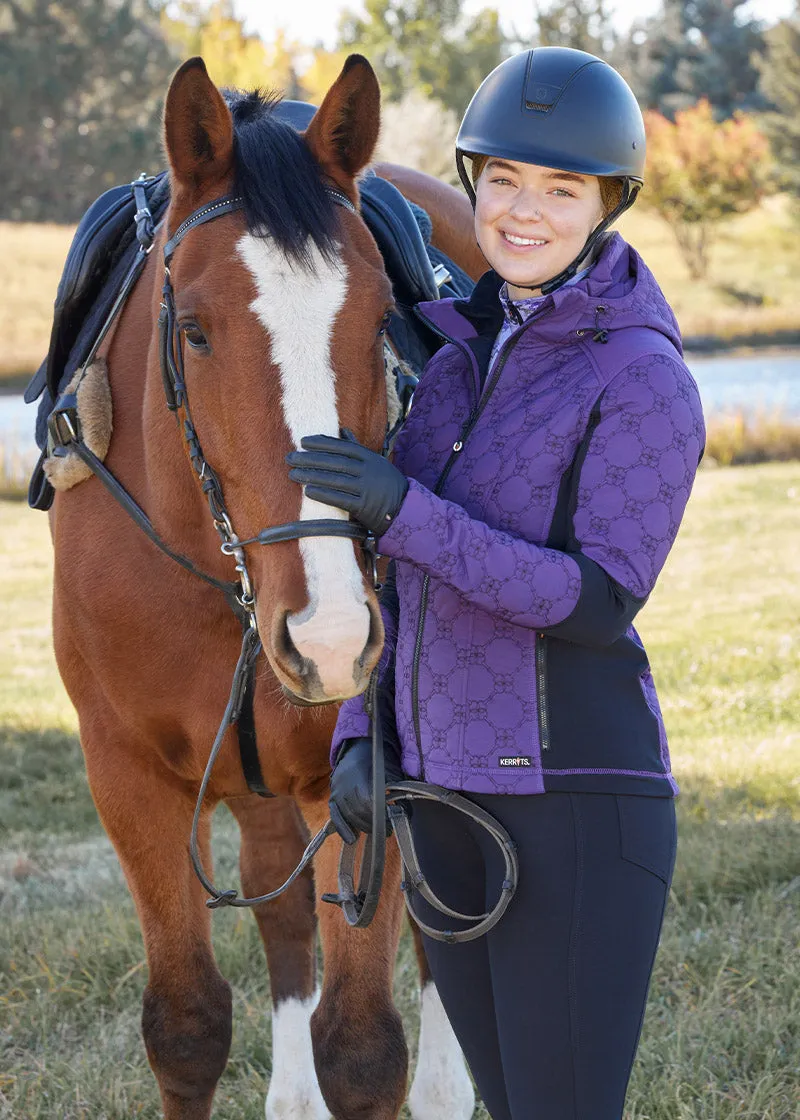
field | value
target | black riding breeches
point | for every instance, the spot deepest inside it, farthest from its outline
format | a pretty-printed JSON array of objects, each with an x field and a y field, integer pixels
[{"x": 548, "y": 1006}]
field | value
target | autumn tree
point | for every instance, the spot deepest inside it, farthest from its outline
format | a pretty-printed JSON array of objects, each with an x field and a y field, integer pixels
[
  {"x": 233, "y": 56},
  {"x": 700, "y": 172}
]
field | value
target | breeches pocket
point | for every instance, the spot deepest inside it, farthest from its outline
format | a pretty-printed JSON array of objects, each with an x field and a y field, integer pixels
[{"x": 648, "y": 833}]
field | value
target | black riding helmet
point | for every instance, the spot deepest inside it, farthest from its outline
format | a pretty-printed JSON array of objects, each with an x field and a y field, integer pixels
[{"x": 563, "y": 108}]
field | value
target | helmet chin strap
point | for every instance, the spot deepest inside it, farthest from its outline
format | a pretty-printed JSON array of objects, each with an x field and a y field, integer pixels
[{"x": 629, "y": 193}]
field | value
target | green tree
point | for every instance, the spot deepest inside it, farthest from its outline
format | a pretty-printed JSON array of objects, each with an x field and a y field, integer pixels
[
  {"x": 692, "y": 49},
  {"x": 780, "y": 82},
  {"x": 582, "y": 24},
  {"x": 427, "y": 45},
  {"x": 81, "y": 87},
  {"x": 700, "y": 172}
]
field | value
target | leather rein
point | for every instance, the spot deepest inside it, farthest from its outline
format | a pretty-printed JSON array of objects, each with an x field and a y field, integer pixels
[{"x": 358, "y": 904}]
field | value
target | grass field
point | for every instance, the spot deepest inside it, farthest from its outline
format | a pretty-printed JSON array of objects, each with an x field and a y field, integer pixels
[
  {"x": 722, "y": 1034},
  {"x": 753, "y": 288}
]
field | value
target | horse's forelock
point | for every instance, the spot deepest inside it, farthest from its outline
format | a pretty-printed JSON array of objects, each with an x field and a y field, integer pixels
[{"x": 278, "y": 180}]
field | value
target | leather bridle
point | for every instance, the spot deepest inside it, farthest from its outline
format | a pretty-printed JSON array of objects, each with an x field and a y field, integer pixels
[{"x": 64, "y": 433}]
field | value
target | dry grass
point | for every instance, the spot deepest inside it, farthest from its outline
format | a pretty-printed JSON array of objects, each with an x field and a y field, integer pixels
[
  {"x": 722, "y": 1034},
  {"x": 753, "y": 288},
  {"x": 737, "y": 439},
  {"x": 31, "y": 260}
]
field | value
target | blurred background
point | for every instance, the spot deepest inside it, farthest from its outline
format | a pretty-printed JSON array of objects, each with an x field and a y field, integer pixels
[
  {"x": 81, "y": 94},
  {"x": 82, "y": 84}
]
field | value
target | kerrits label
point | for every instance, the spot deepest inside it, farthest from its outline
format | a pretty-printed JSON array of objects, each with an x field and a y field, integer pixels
[{"x": 515, "y": 760}]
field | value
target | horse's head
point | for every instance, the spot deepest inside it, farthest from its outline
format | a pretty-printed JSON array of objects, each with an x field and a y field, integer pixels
[{"x": 281, "y": 308}]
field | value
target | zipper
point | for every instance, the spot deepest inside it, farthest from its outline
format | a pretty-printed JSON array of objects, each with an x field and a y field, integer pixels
[
  {"x": 541, "y": 692},
  {"x": 469, "y": 424}
]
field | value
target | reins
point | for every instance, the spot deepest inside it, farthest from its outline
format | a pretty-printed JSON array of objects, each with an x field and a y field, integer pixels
[{"x": 359, "y": 903}]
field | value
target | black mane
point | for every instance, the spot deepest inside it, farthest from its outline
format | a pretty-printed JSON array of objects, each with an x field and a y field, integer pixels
[{"x": 278, "y": 180}]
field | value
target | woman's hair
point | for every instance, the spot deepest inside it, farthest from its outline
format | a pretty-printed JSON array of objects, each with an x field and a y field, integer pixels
[{"x": 611, "y": 187}]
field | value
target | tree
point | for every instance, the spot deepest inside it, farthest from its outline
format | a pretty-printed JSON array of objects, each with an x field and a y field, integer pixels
[
  {"x": 418, "y": 132},
  {"x": 323, "y": 71},
  {"x": 695, "y": 49},
  {"x": 426, "y": 45},
  {"x": 780, "y": 82},
  {"x": 233, "y": 57},
  {"x": 700, "y": 172},
  {"x": 81, "y": 86},
  {"x": 582, "y": 24}
]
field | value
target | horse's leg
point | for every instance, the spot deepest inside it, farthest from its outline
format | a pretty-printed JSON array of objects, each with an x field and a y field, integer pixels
[
  {"x": 273, "y": 839},
  {"x": 359, "y": 1048},
  {"x": 186, "y": 1015},
  {"x": 442, "y": 1087}
]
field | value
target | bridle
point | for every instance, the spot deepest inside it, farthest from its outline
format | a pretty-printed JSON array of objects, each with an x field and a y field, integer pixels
[{"x": 64, "y": 433}]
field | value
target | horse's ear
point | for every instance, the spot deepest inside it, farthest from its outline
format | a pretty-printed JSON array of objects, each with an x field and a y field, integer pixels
[
  {"x": 344, "y": 130},
  {"x": 198, "y": 129}
]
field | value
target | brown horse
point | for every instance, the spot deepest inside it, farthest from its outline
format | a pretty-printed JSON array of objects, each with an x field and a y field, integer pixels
[{"x": 280, "y": 307}]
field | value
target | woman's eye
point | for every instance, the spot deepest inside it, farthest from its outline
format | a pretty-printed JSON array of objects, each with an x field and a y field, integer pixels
[
  {"x": 194, "y": 336},
  {"x": 565, "y": 193}
]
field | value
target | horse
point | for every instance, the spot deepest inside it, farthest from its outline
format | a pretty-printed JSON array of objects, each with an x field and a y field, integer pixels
[{"x": 280, "y": 305}]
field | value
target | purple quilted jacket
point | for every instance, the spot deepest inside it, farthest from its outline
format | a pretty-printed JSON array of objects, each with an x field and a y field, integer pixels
[{"x": 544, "y": 496}]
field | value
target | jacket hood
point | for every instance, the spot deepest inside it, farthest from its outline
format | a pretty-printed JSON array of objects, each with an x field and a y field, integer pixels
[{"x": 618, "y": 292}]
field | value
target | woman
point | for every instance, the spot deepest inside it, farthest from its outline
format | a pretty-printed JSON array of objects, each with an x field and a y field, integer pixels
[{"x": 536, "y": 490}]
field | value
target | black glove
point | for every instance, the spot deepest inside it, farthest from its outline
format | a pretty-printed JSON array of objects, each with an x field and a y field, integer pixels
[
  {"x": 342, "y": 473},
  {"x": 351, "y": 787}
]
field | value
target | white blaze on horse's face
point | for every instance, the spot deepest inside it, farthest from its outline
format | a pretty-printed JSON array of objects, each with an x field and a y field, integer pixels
[{"x": 298, "y": 307}]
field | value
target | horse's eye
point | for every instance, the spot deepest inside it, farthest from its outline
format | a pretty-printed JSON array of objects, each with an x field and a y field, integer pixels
[
  {"x": 194, "y": 336},
  {"x": 385, "y": 321}
]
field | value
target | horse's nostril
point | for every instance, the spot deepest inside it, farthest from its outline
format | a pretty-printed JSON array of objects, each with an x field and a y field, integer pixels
[{"x": 287, "y": 650}]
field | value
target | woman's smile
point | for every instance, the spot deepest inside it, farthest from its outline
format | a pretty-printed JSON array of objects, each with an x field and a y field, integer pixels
[{"x": 518, "y": 241}]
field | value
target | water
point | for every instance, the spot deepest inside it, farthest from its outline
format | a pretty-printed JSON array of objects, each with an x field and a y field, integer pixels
[{"x": 755, "y": 383}]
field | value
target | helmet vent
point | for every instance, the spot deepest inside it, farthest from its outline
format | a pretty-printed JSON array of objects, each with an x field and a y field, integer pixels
[{"x": 536, "y": 105}]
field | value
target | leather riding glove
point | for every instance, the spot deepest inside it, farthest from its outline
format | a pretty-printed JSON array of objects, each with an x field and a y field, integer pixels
[
  {"x": 351, "y": 787},
  {"x": 343, "y": 473}
]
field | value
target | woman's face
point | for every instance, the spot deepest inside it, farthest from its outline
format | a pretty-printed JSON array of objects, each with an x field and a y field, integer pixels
[{"x": 532, "y": 221}]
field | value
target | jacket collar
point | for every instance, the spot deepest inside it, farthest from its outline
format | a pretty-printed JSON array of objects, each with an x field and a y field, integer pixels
[{"x": 619, "y": 292}]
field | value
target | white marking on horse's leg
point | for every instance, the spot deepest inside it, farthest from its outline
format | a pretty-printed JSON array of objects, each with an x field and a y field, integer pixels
[
  {"x": 442, "y": 1089},
  {"x": 298, "y": 307},
  {"x": 294, "y": 1093}
]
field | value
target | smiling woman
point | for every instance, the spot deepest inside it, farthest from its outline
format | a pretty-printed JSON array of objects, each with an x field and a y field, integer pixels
[{"x": 541, "y": 478}]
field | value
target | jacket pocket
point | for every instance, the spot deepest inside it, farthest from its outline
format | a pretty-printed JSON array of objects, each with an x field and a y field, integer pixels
[{"x": 648, "y": 833}]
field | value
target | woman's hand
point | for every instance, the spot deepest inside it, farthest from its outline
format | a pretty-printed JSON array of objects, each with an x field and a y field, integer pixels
[
  {"x": 343, "y": 473},
  {"x": 350, "y": 802}
]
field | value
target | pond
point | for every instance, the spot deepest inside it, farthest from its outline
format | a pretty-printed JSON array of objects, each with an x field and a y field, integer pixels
[{"x": 752, "y": 383}]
